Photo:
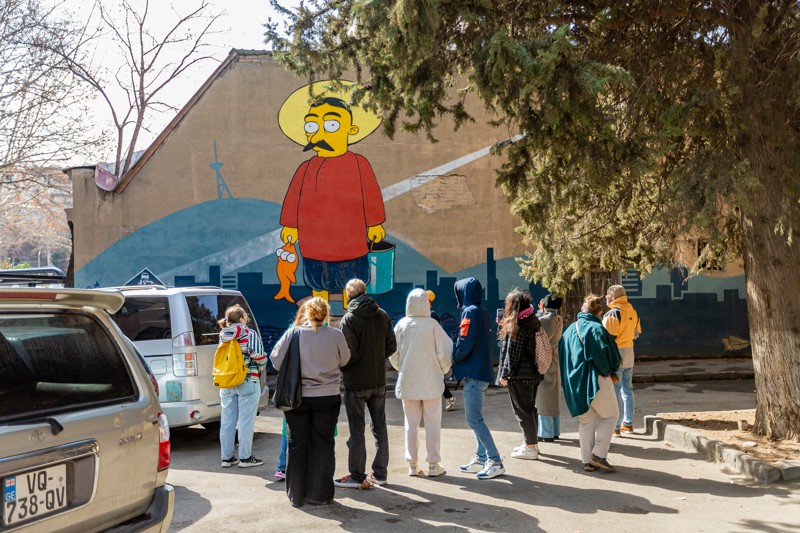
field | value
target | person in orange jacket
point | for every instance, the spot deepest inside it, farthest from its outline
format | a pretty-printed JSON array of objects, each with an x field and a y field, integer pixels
[{"x": 622, "y": 322}]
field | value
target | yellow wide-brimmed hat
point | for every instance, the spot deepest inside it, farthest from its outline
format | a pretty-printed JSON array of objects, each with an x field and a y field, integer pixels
[{"x": 296, "y": 106}]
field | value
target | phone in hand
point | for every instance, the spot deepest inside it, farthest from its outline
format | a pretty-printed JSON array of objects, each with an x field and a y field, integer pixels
[{"x": 500, "y": 313}]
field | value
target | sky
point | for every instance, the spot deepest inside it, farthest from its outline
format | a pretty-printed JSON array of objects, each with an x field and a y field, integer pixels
[{"x": 240, "y": 25}]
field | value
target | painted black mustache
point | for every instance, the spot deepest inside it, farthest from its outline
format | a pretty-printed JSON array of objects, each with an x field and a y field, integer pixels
[{"x": 321, "y": 143}]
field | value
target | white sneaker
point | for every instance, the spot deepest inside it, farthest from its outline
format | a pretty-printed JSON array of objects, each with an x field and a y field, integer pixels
[
  {"x": 415, "y": 470},
  {"x": 491, "y": 469},
  {"x": 450, "y": 403},
  {"x": 436, "y": 470},
  {"x": 474, "y": 465},
  {"x": 523, "y": 452}
]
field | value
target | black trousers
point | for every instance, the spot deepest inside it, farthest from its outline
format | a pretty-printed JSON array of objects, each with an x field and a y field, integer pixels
[
  {"x": 374, "y": 401},
  {"x": 523, "y": 401},
  {"x": 311, "y": 462}
]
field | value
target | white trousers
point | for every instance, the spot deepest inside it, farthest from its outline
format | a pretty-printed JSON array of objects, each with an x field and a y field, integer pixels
[
  {"x": 597, "y": 424},
  {"x": 431, "y": 411}
]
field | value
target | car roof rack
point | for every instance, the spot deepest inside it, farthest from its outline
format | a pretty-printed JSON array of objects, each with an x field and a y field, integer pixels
[{"x": 31, "y": 277}]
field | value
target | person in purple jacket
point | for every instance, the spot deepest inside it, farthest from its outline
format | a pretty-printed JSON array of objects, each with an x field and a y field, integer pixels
[{"x": 472, "y": 360}]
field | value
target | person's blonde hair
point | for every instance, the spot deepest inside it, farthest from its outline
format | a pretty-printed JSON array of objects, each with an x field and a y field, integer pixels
[
  {"x": 316, "y": 312},
  {"x": 354, "y": 288},
  {"x": 593, "y": 304},
  {"x": 300, "y": 317},
  {"x": 234, "y": 314}
]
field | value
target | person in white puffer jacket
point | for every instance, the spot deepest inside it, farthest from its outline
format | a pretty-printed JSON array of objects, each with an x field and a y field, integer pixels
[{"x": 424, "y": 354}]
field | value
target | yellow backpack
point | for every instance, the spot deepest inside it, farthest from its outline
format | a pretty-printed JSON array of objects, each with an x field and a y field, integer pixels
[{"x": 229, "y": 368}]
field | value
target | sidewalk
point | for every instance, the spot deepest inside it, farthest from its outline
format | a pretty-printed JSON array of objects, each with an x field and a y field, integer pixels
[
  {"x": 657, "y": 487},
  {"x": 668, "y": 370},
  {"x": 693, "y": 369}
]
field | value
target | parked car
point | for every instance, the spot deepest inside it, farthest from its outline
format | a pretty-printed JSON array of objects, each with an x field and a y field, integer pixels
[
  {"x": 176, "y": 331},
  {"x": 84, "y": 445},
  {"x": 33, "y": 277}
]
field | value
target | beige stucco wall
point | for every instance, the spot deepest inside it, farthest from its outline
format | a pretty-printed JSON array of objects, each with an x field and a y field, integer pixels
[{"x": 451, "y": 220}]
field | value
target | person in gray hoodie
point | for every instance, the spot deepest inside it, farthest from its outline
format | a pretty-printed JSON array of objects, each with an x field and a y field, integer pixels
[
  {"x": 369, "y": 334},
  {"x": 312, "y": 454}
]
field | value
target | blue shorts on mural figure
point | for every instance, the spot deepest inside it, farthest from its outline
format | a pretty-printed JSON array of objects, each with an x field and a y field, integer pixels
[{"x": 333, "y": 276}]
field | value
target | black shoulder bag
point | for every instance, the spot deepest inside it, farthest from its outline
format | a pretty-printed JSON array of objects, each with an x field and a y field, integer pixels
[{"x": 288, "y": 390}]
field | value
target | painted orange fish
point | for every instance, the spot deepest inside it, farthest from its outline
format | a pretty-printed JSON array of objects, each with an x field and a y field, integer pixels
[{"x": 286, "y": 268}]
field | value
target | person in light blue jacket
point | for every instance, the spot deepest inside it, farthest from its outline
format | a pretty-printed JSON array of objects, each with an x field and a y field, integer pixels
[{"x": 472, "y": 361}]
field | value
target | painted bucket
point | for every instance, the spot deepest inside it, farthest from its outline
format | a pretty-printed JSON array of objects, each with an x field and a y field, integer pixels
[{"x": 381, "y": 267}]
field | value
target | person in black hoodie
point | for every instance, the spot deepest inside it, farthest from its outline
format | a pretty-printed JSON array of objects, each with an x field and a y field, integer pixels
[
  {"x": 370, "y": 337},
  {"x": 517, "y": 369}
]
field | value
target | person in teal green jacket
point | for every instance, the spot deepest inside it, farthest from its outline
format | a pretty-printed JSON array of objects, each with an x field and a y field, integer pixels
[{"x": 589, "y": 361}]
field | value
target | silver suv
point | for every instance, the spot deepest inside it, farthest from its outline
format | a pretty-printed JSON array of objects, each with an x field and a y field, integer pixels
[
  {"x": 83, "y": 444},
  {"x": 176, "y": 331}
]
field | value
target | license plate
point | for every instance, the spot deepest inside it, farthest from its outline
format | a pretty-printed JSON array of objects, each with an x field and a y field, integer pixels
[{"x": 34, "y": 494}]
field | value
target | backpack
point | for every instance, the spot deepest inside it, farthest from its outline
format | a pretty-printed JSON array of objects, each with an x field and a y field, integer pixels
[
  {"x": 229, "y": 368},
  {"x": 544, "y": 353}
]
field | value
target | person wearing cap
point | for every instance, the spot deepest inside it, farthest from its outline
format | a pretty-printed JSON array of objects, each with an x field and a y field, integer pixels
[
  {"x": 547, "y": 401},
  {"x": 449, "y": 400},
  {"x": 622, "y": 322}
]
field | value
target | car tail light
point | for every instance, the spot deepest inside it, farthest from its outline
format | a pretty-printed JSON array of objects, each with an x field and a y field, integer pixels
[
  {"x": 183, "y": 340},
  {"x": 184, "y": 364},
  {"x": 28, "y": 295},
  {"x": 163, "y": 442}
]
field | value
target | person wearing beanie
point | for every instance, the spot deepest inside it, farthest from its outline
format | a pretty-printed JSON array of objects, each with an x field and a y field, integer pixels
[
  {"x": 622, "y": 322},
  {"x": 547, "y": 400}
]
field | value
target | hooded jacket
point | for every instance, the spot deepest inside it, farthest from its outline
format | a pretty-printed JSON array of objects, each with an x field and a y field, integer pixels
[
  {"x": 585, "y": 351},
  {"x": 368, "y": 331},
  {"x": 622, "y": 321},
  {"x": 424, "y": 351},
  {"x": 472, "y": 356}
]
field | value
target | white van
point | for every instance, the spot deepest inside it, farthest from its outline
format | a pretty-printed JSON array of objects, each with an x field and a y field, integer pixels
[{"x": 176, "y": 331}]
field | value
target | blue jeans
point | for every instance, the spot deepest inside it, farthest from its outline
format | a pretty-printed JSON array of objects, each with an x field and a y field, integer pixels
[
  {"x": 239, "y": 404},
  {"x": 549, "y": 427},
  {"x": 282, "y": 454},
  {"x": 473, "y": 410},
  {"x": 624, "y": 390}
]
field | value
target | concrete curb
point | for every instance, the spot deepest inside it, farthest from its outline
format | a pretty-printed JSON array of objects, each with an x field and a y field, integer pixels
[
  {"x": 717, "y": 452},
  {"x": 692, "y": 376}
]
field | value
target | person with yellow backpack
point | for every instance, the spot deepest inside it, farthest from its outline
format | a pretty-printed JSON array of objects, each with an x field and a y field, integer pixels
[{"x": 239, "y": 401}]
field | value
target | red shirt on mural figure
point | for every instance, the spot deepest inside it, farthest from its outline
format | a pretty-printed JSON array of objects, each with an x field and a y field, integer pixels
[
  {"x": 333, "y": 206},
  {"x": 332, "y": 201}
]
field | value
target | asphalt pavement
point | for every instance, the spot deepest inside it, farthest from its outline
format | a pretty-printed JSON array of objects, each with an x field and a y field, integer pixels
[{"x": 657, "y": 487}]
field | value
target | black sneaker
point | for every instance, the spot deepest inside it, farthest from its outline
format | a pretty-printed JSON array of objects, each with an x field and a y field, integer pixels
[
  {"x": 227, "y": 463},
  {"x": 599, "y": 462},
  {"x": 250, "y": 461},
  {"x": 589, "y": 467}
]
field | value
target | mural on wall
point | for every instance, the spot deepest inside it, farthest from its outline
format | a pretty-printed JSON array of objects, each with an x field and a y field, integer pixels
[
  {"x": 333, "y": 209},
  {"x": 329, "y": 228}
]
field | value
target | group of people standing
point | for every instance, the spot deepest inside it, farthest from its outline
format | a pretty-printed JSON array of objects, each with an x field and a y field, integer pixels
[{"x": 535, "y": 362}]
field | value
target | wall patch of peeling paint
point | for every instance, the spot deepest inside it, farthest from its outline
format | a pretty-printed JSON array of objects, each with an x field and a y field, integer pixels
[{"x": 445, "y": 192}]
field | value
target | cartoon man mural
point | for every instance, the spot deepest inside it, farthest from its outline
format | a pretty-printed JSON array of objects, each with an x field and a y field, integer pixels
[{"x": 333, "y": 208}]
